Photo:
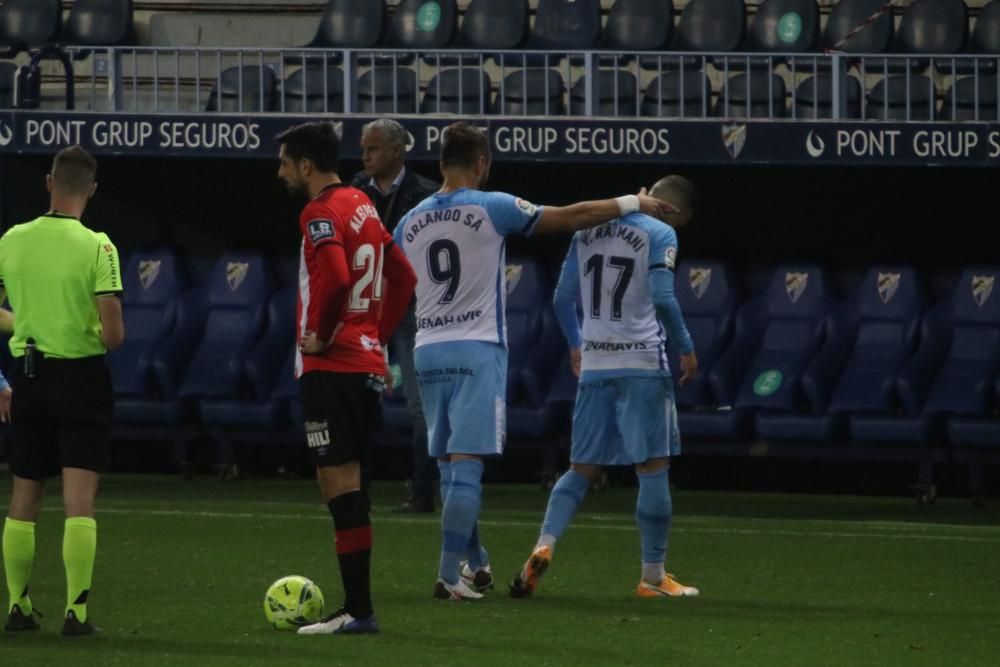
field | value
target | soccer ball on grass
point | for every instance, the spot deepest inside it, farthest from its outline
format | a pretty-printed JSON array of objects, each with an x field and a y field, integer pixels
[{"x": 292, "y": 602}]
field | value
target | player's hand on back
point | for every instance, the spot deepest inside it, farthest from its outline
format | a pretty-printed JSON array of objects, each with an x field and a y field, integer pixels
[
  {"x": 689, "y": 367},
  {"x": 575, "y": 360},
  {"x": 310, "y": 344},
  {"x": 653, "y": 206}
]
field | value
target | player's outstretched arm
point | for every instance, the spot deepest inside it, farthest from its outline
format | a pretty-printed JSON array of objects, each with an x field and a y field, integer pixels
[
  {"x": 668, "y": 310},
  {"x": 587, "y": 214},
  {"x": 400, "y": 280}
]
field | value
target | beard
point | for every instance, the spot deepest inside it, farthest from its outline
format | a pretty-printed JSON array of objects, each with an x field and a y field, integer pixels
[{"x": 297, "y": 190}]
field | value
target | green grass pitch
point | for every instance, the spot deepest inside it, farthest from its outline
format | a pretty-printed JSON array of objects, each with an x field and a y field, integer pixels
[{"x": 786, "y": 580}]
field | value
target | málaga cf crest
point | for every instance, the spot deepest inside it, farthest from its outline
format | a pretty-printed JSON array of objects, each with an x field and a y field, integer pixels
[
  {"x": 888, "y": 284},
  {"x": 982, "y": 288},
  {"x": 795, "y": 285},
  {"x": 700, "y": 279},
  {"x": 236, "y": 273},
  {"x": 149, "y": 269},
  {"x": 734, "y": 136}
]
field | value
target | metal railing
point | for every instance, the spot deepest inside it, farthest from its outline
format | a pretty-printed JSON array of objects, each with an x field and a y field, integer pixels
[{"x": 576, "y": 83}]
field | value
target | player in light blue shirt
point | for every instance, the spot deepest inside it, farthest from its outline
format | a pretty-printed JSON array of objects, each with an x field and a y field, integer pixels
[
  {"x": 455, "y": 240},
  {"x": 622, "y": 274}
]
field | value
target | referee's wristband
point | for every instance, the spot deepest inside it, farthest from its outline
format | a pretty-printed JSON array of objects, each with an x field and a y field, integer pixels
[{"x": 627, "y": 204}]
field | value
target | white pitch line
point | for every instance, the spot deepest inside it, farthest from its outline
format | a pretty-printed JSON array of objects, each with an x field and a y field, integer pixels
[{"x": 534, "y": 524}]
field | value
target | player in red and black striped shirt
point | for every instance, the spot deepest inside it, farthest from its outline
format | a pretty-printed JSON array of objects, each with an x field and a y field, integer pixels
[{"x": 346, "y": 313}]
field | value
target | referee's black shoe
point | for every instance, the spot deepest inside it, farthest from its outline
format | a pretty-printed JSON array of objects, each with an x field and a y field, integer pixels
[
  {"x": 74, "y": 628},
  {"x": 18, "y": 621}
]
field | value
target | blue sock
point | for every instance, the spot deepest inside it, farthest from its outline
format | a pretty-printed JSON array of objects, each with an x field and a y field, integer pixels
[
  {"x": 652, "y": 512},
  {"x": 444, "y": 467},
  {"x": 459, "y": 516},
  {"x": 564, "y": 500}
]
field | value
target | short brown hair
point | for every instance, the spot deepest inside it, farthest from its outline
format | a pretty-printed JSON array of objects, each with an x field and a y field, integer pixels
[
  {"x": 462, "y": 145},
  {"x": 74, "y": 171}
]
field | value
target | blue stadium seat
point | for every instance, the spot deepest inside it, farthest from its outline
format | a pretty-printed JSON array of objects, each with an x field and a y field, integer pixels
[
  {"x": 814, "y": 97},
  {"x": 709, "y": 26},
  {"x": 156, "y": 319},
  {"x": 99, "y": 23},
  {"x": 249, "y": 88},
  {"x": 494, "y": 24},
  {"x": 846, "y": 15},
  {"x": 784, "y": 26},
  {"x": 310, "y": 89},
  {"x": 564, "y": 25},
  {"x": 954, "y": 369},
  {"x": 286, "y": 389},
  {"x": 932, "y": 27},
  {"x": 532, "y": 92},
  {"x": 350, "y": 24},
  {"x": 423, "y": 25},
  {"x": 639, "y": 25},
  {"x": 29, "y": 23},
  {"x": 902, "y": 97},
  {"x": 971, "y": 98},
  {"x": 615, "y": 94},
  {"x": 678, "y": 94},
  {"x": 535, "y": 346},
  {"x": 869, "y": 338},
  {"x": 985, "y": 41},
  {"x": 759, "y": 94},
  {"x": 255, "y": 404},
  {"x": 237, "y": 294},
  {"x": 465, "y": 90},
  {"x": 387, "y": 89}
]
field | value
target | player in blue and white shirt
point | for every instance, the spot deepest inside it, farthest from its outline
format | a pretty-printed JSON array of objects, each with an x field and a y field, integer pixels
[
  {"x": 623, "y": 272},
  {"x": 455, "y": 241}
]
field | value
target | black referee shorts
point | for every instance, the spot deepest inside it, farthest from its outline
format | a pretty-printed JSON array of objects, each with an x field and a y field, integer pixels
[
  {"x": 61, "y": 417},
  {"x": 340, "y": 411}
]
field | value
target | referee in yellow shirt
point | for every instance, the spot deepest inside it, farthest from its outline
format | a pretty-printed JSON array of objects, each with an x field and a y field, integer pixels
[{"x": 64, "y": 283}]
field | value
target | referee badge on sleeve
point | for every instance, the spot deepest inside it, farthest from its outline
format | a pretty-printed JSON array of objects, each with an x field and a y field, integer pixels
[{"x": 320, "y": 230}]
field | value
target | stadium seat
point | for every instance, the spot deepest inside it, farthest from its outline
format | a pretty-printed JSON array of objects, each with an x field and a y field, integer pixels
[
  {"x": 764, "y": 90},
  {"x": 980, "y": 431},
  {"x": 254, "y": 405},
  {"x": 29, "y": 23},
  {"x": 249, "y": 88},
  {"x": 971, "y": 98},
  {"x": 236, "y": 295},
  {"x": 349, "y": 24},
  {"x": 535, "y": 346},
  {"x": 99, "y": 23},
  {"x": 954, "y": 369},
  {"x": 388, "y": 90},
  {"x": 902, "y": 97},
  {"x": 564, "y": 25},
  {"x": 777, "y": 334},
  {"x": 464, "y": 90},
  {"x": 8, "y": 71},
  {"x": 287, "y": 389},
  {"x": 532, "y": 92},
  {"x": 159, "y": 317},
  {"x": 678, "y": 94},
  {"x": 311, "y": 90},
  {"x": 844, "y": 18},
  {"x": 984, "y": 41},
  {"x": 869, "y": 337},
  {"x": 639, "y": 25},
  {"x": 814, "y": 97},
  {"x": 931, "y": 27},
  {"x": 709, "y": 26},
  {"x": 784, "y": 26},
  {"x": 615, "y": 94},
  {"x": 494, "y": 24},
  {"x": 423, "y": 25}
]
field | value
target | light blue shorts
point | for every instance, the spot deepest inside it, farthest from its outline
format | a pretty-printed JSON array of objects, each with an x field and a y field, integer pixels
[
  {"x": 625, "y": 421},
  {"x": 463, "y": 385}
]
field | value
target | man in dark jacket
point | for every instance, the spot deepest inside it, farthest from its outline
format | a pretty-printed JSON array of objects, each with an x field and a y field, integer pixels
[{"x": 395, "y": 190}]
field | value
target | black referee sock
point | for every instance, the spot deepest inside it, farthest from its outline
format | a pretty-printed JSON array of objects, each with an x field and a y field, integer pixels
[{"x": 353, "y": 531}]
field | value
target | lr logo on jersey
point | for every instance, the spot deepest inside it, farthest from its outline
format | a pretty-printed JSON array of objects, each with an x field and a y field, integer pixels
[
  {"x": 236, "y": 273},
  {"x": 700, "y": 278},
  {"x": 982, "y": 288},
  {"x": 795, "y": 285},
  {"x": 149, "y": 269},
  {"x": 888, "y": 285}
]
